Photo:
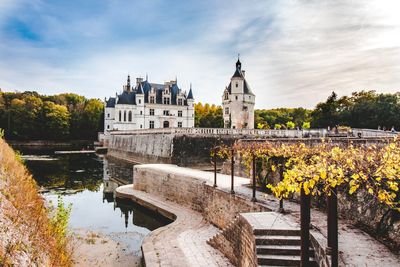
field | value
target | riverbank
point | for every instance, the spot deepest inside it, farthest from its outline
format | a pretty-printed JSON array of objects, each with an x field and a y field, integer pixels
[
  {"x": 50, "y": 145},
  {"x": 28, "y": 237},
  {"x": 95, "y": 249}
]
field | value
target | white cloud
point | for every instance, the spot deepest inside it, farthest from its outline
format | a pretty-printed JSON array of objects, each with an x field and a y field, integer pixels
[{"x": 294, "y": 52}]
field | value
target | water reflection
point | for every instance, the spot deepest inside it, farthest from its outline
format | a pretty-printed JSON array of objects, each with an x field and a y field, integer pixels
[{"x": 88, "y": 182}]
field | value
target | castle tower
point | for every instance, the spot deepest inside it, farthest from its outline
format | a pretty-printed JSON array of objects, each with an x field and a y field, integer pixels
[
  {"x": 190, "y": 107},
  {"x": 238, "y": 102}
]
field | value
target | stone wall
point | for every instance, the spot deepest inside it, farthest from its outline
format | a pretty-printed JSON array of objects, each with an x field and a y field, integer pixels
[
  {"x": 142, "y": 148},
  {"x": 183, "y": 150},
  {"x": 237, "y": 243},
  {"x": 217, "y": 206}
]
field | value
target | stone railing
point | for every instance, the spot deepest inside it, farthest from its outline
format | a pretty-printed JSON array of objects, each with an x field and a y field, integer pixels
[{"x": 259, "y": 132}]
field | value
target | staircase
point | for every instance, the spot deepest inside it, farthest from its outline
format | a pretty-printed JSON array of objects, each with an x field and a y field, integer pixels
[{"x": 277, "y": 247}]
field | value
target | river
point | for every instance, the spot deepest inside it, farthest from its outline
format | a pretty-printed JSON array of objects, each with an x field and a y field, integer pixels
[{"x": 87, "y": 181}]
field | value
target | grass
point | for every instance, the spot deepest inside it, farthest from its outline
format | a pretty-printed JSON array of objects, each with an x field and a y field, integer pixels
[{"x": 29, "y": 229}]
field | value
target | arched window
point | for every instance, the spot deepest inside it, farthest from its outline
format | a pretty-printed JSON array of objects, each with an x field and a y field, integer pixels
[
  {"x": 120, "y": 118},
  {"x": 130, "y": 116},
  {"x": 166, "y": 124},
  {"x": 124, "y": 115}
]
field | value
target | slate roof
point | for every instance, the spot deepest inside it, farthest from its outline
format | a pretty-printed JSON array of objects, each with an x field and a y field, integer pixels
[
  {"x": 246, "y": 90},
  {"x": 110, "y": 103},
  {"x": 238, "y": 73},
  {"x": 190, "y": 95},
  {"x": 127, "y": 98},
  {"x": 144, "y": 87}
]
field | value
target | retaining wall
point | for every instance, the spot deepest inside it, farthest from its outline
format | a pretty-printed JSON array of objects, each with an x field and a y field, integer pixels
[
  {"x": 237, "y": 242},
  {"x": 217, "y": 206}
]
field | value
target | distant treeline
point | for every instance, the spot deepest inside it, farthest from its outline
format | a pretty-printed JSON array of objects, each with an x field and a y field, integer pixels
[
  {"x": 365, "y": 109},
  {"x": 29, "y": 115},
  {"x": 32, "y": 116}
]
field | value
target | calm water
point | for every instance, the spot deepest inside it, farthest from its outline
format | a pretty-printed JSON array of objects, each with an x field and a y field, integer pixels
[{"x": 88, "y": 182}]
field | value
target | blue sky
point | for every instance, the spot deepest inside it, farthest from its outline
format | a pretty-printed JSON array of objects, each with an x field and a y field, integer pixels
[{"x": 295, "y": 53}]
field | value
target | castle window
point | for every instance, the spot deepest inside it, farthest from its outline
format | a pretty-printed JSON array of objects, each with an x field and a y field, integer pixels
[
  {"x": 108, "y": 126},
  {"x": 140, "y": 101},
  {"x": 226, "y": 96},
  {"x": 108, "y": 115},
  {"x": 179, "y": 113},
  {"x": 120, "y": 117},
  {"x": 130, "y": 116},
  {"x": 151, "y": 124},
  {"x": 141, "y": 126},
  {"x": 180, "y": 102},
  {"x": 166, "y": 112},
  {"x": 236, "y": 97},
  {"x": 166, "y": 101},
  {"x": 237, "y": 85},
  {"x": 179, "y": 124},
  {"x": 244, "y": 107},
  {"x": 152, "y": 99},
  {"x": 125, "y": 115},
  {"x": 226, "y": 111},
  {"x": 141, "y": 112},
  {"x": 166, "y": 124},
  {"x": 151, "y": 112}
]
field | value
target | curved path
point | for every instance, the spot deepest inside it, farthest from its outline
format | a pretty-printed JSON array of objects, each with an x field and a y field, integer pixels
[{"x": 180, "y": 243}]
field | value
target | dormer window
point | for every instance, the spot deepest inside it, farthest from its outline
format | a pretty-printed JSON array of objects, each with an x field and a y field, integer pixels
[
  {"x": 180, "y": 102},
  {"x": 166, "y": 101},
  {"x": 226, "y": 96},
  {"x": 152, "y": 98}
]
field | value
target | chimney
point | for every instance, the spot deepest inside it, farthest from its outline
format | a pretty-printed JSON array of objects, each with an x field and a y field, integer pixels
[{"x": 138, "y": 80}]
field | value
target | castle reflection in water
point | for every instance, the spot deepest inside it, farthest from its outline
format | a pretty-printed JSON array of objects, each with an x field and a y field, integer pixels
[{"x": 118, "y": 173}]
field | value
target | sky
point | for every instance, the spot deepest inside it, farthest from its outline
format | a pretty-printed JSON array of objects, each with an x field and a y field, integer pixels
[{"x": 295, "y": 53}]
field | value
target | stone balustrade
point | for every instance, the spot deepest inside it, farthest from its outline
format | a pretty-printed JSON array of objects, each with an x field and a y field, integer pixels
[{"x": 258, "y": 132}]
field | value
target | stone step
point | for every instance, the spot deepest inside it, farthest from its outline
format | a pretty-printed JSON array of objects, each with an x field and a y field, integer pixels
[
  {"x": 291, "y": 232},
  {"x": 277, "y": 240},
  {"x": 280, "y": 250},
  {"x": 282, "y": 260}
]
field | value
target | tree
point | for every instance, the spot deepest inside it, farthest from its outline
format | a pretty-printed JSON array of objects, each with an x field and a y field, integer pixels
[
  {"x": 281, "y": 116},
  {"x": 93, "y": 112},
  {"x": 208, "y": 116},
  {"x": 306, "y": 125},
  {"x": 326, "y": 114},
  {"x": 56, "y": 120},
  {"x": 290, "y": 125},
  {"x": 364, "y": 109}
]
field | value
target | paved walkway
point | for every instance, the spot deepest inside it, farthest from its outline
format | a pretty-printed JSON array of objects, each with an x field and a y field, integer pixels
[
  {"x": 356, "y": 247},
  {"x": 180, "y": 243}
]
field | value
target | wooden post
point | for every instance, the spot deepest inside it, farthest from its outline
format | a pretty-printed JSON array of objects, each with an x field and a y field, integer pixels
[
  {"x": 254, "y": 179},
  {"x": 215, "y": 167},
  {"x": 232, "y": 170},
  {"x": 305, "y": 228},
  {"x": 333, "y": 244},
  {"x": 281, "y": 178}
]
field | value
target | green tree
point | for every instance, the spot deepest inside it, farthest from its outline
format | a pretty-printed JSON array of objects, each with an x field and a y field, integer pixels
[
  {"x": 290, "y": 125},
  {"x": 306, "y": 125}
]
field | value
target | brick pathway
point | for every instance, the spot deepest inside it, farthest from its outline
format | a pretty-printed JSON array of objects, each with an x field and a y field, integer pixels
[
  {"x": 356, "y": 247},
  {"x": 181, "y": 243}
]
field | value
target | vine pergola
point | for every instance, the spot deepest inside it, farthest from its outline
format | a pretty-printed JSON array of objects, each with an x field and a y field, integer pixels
[{"x": 321, "y": 170}]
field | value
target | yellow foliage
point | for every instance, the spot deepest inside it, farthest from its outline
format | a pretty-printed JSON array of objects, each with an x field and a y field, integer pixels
[{"x": 317, "y": 169}]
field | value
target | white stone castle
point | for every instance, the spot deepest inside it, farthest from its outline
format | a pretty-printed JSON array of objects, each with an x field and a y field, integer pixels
[
  {"x": 238, "y": 102},
  {"x": 149, "y": 105}
]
